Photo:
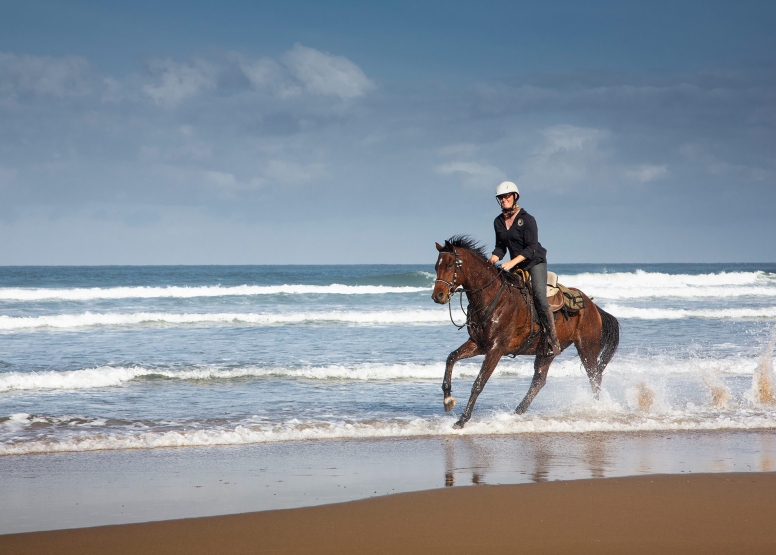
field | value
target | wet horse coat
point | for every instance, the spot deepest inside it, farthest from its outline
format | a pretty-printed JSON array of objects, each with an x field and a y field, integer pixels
[{"x": 500, "y": 322}]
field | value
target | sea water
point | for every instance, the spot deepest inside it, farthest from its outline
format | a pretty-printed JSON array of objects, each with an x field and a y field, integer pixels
[{"x": 118, "y": 358}]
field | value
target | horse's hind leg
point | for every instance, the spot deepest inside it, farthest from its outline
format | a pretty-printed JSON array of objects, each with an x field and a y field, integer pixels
[
  {"x": 467, "y": 350},
  {"x": 589, "y": 356},
  {"x": 541, "y": 367}
]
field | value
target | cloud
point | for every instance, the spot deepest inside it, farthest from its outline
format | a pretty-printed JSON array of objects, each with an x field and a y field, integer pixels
[
  {"x": 275, "y": 172},
  {"x": 293, "y": 173},
  {"x": 645, "y": 173},
  {"x": 567, "y": 156},
  {"x": 461, "y": 149},
  {"x": 473, "y": 174},
  {"x": 324, "y": 74},
  {"x": 26, "y": 75},
  {"x": 175, "y": 82}
]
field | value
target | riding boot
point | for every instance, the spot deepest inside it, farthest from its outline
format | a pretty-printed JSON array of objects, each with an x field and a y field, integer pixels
[{"x": 548, "y": 323}]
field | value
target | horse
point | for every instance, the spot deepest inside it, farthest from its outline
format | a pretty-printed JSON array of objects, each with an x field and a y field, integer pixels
[{"x": 501, "y": 321}]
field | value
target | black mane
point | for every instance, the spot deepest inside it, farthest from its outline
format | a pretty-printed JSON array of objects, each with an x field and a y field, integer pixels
[
  {"x": 471, "y": 245},
  {"x": 466, "y": 242}
]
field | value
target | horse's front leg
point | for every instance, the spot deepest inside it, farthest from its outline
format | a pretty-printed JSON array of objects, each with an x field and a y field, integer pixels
[
  {"x": 467, "y": 350},
  {"x": 541, "y": 367},
  {"x": 488, "y": 366}
]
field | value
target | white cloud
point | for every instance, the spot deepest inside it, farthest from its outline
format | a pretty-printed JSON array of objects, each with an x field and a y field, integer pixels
[
  {"x": 222, "y": 179},
  {"x": 267, "y": 74},
  {"x": 567, "y": 156},
  {"x": 462, "y": 149},
  {"x": 646, "y": 173},
  {"x": 280, "y": 172},
  {"x": 174, "y": 82},
  {"x": 473, "y": 174},
  {"x": 293, "y": 173},
  {"x": 324, "y": 74},
  {"x": 25, "y": 74}
]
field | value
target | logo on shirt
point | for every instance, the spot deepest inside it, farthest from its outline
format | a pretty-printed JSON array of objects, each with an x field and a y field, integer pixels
[{"x": 520, "y": 222}]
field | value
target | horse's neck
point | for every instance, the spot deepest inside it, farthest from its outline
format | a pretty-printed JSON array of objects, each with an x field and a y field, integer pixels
[{"x": 479, "y": 276}]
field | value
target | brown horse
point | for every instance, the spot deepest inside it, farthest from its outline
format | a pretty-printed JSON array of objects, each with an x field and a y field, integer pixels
[{"x": 501, "y": 321}]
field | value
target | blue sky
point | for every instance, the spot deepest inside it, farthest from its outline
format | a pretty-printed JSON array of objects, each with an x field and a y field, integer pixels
[{"x": 343, "y": 132}]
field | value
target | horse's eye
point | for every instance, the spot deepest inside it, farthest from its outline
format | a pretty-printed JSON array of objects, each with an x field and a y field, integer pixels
[{"x": 449, "y": 266}]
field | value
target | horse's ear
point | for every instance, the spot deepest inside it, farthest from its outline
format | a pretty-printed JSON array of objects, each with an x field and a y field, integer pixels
[{"x": 439, "y": 247}]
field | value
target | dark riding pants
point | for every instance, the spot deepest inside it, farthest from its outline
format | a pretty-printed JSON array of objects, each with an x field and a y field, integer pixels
[{"x": 539, "y": 285}]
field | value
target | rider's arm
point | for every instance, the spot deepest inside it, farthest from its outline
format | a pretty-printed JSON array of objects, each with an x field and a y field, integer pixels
[
  {"x": 501, "y": 247},
  {"x": 512, "y": 263}
]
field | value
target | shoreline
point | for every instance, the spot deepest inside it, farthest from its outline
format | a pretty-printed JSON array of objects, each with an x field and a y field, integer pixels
[
  {"x": 78, "y": 490},
  {"x": 689, "y": 513}
]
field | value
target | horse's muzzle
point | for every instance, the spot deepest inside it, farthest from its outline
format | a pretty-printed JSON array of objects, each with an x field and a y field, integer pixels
[{"x": 440, "y": 297}]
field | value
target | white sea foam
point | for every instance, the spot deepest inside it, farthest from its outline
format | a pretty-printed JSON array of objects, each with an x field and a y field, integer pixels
[
  {"x": 614, "y": 286},
  {"x": 620, "y": 311},
  {"x": 604, "y": 416},
  {"x": 429, "y": 316},
  {"x": 88, "y": 294},
  {"x": 641, "y": 284},
  {"x": 113, "y": 376},
  {"x": 402, "y": 317}
]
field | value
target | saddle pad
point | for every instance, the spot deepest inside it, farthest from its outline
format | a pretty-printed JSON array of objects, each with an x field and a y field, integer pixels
[{"x": 556, "y": 301}]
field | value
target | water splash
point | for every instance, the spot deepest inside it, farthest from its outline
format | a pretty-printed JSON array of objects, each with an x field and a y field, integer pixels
[
  {"x": 763, "y": 391},
  {"x": 641, "y": 397},
  {"x": 720, "y": 394}
]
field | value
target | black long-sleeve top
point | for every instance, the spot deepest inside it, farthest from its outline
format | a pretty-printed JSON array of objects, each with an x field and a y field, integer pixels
[{"x": 521, "y": 238}]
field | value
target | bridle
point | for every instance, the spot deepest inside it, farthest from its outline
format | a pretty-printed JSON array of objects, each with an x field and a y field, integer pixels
[
  {"x": 453, "y": 289},
  {"x": 452, "y": 285}
]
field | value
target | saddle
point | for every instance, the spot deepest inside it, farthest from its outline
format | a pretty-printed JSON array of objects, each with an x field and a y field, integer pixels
[{"x": 559, "y": 296}]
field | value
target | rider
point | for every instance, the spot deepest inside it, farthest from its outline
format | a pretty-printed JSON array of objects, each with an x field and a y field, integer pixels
[{"x": 516, "y": 231}]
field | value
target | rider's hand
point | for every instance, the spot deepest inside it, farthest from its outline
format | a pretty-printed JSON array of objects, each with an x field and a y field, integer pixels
[{"x": 494, "y": 260}]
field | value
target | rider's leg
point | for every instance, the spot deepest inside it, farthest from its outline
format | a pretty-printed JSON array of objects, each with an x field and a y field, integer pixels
[{"x": 539, "y": 286}]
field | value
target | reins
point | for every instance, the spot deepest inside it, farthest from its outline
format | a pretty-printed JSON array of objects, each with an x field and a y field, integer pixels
[
  {"x": 453, "y": 289},
  {"x": 491, "y": 306}
]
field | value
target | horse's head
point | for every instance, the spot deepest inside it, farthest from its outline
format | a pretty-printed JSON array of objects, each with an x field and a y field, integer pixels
[{"x": 448, "y": 273}]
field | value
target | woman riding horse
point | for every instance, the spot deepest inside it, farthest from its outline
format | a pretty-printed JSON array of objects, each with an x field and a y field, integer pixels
[{"x": 516, "y": 231}]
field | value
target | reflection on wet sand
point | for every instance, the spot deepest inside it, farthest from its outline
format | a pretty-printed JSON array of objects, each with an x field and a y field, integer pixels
[
  {"x": 466, "y": 455},
  {"x": 767, "y": 449},
  {"x": 546, "y": 457},
  {"x": 539, "y": 458},
  {"x": 597, "y": 455}
]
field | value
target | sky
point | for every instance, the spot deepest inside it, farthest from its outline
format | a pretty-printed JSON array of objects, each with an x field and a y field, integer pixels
[{"x": 240, "y": 132}]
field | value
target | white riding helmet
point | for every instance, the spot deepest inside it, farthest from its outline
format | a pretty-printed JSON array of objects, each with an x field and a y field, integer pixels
[{"x": 507, "y": 187}]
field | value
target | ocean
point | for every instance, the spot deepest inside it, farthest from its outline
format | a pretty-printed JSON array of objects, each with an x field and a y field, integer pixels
[{"x": 119, "y": 358}]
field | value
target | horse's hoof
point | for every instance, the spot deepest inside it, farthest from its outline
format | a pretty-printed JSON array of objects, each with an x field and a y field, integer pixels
[
  {"x": 449, "y": 403},
  {"x": 459, "y": 425},
  {"x": 520, "y": 410}
]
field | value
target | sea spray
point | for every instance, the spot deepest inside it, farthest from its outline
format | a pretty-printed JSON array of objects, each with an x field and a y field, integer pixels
[
  {"x": 641, "y": 397},
  {"x": 720, "y": 394},
  {"x": 645, "y": 396},
  {"x": 763, "y": 379}
]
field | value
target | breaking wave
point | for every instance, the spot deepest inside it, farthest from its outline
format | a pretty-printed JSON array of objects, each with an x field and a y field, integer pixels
[
  {"x": 679, "y": 313},
  {"x": 402, "y": 317},
  {"x": 114, "y": 376},
  {"x": 94, "y": 293},
  {"x": 613, "y": 286},
  {"x": 641, "y": 284},
  {"x": 113, "y": 319},
  {"x": 604, "y": 416}
]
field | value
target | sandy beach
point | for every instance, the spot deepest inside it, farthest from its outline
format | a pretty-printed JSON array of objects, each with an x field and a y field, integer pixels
[{"x": 709, "y": 513}]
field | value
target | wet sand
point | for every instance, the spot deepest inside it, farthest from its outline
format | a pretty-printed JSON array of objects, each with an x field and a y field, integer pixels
[
  {"x": 688, "y": 514},
  {"x": 77, "y": 490}
]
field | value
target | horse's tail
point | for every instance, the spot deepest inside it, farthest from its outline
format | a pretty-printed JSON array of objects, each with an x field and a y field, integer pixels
[{"x": 610, "y": 338}]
